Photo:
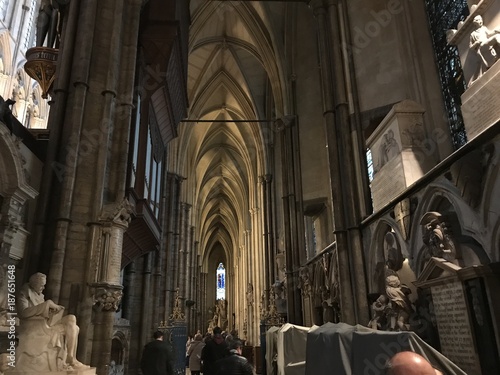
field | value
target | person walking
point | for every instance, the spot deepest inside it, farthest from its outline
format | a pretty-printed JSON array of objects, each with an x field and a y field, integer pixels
[
  {"x": 194, "y": 354},
  {"x": 215, "y": 349},
  {"x": 234, "y": 363},
  {"x": 157, "y": 357}
]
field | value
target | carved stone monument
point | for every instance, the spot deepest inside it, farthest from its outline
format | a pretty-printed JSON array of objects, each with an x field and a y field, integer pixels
[
  {"x": 478, "y": 42},
  {"x": 399, "y": 152},
  {"x": 466, "y": 322},
  {"x": 47, "y": 336}
]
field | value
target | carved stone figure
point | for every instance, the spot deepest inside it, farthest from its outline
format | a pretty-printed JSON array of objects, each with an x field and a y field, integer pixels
[
  {"x": 389, "y": 148},
  {"x": 436, "y": 236},
  {"x": 250, "y": 294},
  {"x": 305, "y": 282},
  {"x": 399, "y": 306},
  {"x": 222, "y": 309},
  {"x": 47, "y": 338},
  {"x": 393, "y": 256},
  {"x": 486, "y": 44},
  {"x": 379, "y": 310},
  {"x": 481, "y": 37}
]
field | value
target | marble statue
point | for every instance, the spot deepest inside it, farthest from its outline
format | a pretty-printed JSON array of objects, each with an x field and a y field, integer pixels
[
  {"x": 222, "y": 309},
  {"x": 379, "y": 309},
  {"x": 399, "y": 306},
  {"x": 486, "y": 44},
  {"x": 436, "y": 236},
  {"x": 47, "y": 338}
]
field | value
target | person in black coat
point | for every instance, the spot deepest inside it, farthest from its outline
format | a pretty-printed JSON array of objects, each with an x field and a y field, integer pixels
[
  {"x": 234, "y": 363},
  {"x": 157, "y": 357},
  {"x": 215, "y": 349}
]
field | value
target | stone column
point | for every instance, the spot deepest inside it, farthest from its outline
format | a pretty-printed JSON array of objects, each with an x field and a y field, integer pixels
[
  {"x": 342, "y": 174},
  {"x": 173, "y": 217},
  {"x": 157, "y": 291},
  {"x": 106, "y": 288},
  {"x": 184, "y": 250},
  {"x": 268, "y": 220},
  {"x": 145, "y": 328},
  {"x": 291, "y": 227},
  {"x": 107, "y": 298},
  {"x": 128, "y": 283},
  {"x": 203, "y": 299}
]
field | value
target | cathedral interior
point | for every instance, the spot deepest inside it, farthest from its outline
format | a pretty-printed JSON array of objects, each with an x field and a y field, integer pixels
[{"x": 188, "y": 164}]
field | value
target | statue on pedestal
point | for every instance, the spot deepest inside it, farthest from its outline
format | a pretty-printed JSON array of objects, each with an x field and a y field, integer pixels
[
  {"x": 47, "y": 338},
  {"x": 48, "y": 22},
  {"x": 436, "y": 236},
  {"x": 486, "y": 44}
]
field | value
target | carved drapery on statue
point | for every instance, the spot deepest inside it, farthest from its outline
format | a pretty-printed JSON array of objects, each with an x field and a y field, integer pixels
[
  {"x": 437, "y": 237},
  {"x": 392, "y": 309},
  {"x": 47, "y": 337}
]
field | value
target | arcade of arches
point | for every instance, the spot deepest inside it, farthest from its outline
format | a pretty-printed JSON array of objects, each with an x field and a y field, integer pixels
[{"x": 312, "y": 150}]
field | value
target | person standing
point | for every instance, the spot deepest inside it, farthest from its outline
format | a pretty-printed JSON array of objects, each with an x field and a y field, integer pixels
[
  {"x": 194, "y": 354},
  {"x": 234, "y": 363},
  {"x": 215, "y": 349},
  {"x": 157, "y": 357}
]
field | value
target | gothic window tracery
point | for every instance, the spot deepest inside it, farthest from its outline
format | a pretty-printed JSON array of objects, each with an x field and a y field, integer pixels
[
  {"x": 221, "y": 282},
  {"x": 444, "y": 15}
]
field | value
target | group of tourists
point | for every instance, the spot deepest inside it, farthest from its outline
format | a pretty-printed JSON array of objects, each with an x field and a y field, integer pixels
[{"x": 216, "y": 354}]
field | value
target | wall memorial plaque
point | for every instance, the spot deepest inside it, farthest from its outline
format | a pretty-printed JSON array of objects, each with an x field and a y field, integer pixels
[{"x": 455, "y": 335}]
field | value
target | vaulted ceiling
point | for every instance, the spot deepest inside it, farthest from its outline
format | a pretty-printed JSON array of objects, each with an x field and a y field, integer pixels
[{"x": 233, "y": 80}]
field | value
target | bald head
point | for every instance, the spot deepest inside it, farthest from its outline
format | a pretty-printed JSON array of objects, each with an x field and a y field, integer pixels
[{"x": 409, "y": 363}]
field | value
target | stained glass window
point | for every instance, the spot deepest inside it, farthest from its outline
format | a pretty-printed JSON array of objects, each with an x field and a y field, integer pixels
[
  {"x": 444, "y": 15},
  {"x": 221, "y": 282},
  {"x": 369, "y": 162}
]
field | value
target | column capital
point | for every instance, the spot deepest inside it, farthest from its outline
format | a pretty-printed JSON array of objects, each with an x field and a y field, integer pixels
[
  {"x": 106, "y": 297},
  {"x": 118, "y": 213}
]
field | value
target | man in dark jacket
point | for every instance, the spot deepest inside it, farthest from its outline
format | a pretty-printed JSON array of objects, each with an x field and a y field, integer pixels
[
  {"x": 215, "y": 349},
  {"x": 234, "y": 364},
  {"x": 157, "y": 357}
]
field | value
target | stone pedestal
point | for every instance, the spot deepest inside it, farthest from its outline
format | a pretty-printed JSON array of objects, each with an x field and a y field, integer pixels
[
  {"x": 401, "y": 152},
  {"x": 481, "y": 102}
]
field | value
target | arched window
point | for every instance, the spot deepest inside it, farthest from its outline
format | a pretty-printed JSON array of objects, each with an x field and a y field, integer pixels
[
  {"x": 221, "y": 282},
  {"x": 29, "y": 39}
]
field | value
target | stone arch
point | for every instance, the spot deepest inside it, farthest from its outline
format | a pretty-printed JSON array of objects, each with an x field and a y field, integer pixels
[
  {"x": 490, "y": 205},
  {"x": 376, "y": 251},
  {"x": 463, "y": 222},
  {"x": 119, "y": 350},
  {"x": 15, "y": 192}
]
